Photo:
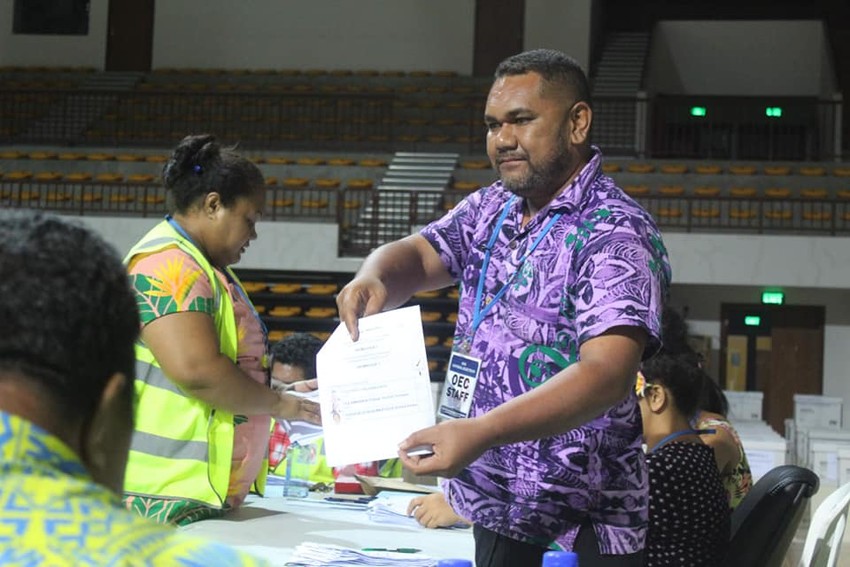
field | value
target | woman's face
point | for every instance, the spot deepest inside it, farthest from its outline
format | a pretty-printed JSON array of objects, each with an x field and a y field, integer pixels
[{"x": 235, "y": 227}]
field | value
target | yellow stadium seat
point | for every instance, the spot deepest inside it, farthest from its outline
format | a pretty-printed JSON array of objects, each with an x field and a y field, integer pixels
[
  {"x": 78, "y": 177},
  {"x": 743, "y": 192},
  {"x": 640, "y": 168},
  {"x": 100, "y": 157},
  {"x": 814, "y": 193},
  {"x": 611, "y": 167},
  {"x": 359, "y": 184},
  {"x": 277, "y": 335},
  {"x": 141, "y": 178},
  {"x": 68, "y": 156},
  {"x": 47, "y": 176},
  {"x": 669, "y": 212},
  {"x": 91, "y": 197},
  {"x": 278, "y": 160},
  {"x": 315, "y": 203},
  {"x": 295, "y": 182},
  {"x": 255, "y": 287},
  {"x": 636, "y": 190},
  {"x": 282, "y": 203},
  {"x": 466, "y": 185},
  {"x": 128, "y": 157},
  {"x": 671, "y": 190},
  {"x": 320, "y": 312},
  {"x": 818, "y": 216},
  {"x": 42, "y": 155},
  {"x": 843, "y": 193},
  {"x": 708, "y": 169},
  {"x": 371, "y": 162},
  {"x": 782, "y": 215},
  {"x": 121, "y": 198},
  {"x": 327, "y": 183},
  {"x": 451, "y": 317},
  {"x": 29, "y": 195},
  {"x": 341, "y": 161},
  {"x": 351, "y": 204},
  {"x": 777, "y": 170},
  {"x": 17, "y": 175},
  {"x": 841, "y": 171},
  {"x": 777, "y": 192},
  {"x": 742, "y": 214},
  {"x": 270, "y": 181},
  {"x": 285, "y": 311},
  {"x": 310, "y": 161},
  {"x": 57, "y": 196},
  {"x": 12, "y": 154},
  {"x": 154, "y": 199},
  {"x": 674, "y": 168},
  {"x": 286, "y": 288},
  {"x": 109, "y": 177},
  {"x": 812, "y": 171},
  {"x": 707, "y": 191},
  {"x": 742, "y": 170},
  {"x": 706, "y": 213},
  {"x": 322, "y": 289}
]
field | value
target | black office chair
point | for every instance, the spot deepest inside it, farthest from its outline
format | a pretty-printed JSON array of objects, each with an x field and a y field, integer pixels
[{"x": 764, "y": 523}]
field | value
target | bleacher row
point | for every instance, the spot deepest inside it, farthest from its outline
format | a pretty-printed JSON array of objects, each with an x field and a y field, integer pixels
[{"x": 290, "y": 302}]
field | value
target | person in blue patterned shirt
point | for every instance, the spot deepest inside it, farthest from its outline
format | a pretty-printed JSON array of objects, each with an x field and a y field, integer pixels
[{"x": 68, "y": 323}]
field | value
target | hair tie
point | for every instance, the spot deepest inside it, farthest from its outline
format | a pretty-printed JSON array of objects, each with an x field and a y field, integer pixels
[{"x": 197, "y": 169}]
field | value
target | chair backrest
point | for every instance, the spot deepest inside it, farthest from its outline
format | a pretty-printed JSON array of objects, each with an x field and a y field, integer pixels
[
  {"x": 823, "y": 540},
  {"x": 764, "y": 523}
]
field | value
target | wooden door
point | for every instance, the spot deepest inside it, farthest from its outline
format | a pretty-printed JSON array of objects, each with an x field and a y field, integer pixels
[
  {"x": 499, "y": 33},
  {"x": 129, "y": 36},
  {"x": 780, "y": 356}
]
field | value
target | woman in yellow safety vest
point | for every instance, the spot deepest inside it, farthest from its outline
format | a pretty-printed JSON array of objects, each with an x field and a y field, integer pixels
[{"x": 203, "y": 397}]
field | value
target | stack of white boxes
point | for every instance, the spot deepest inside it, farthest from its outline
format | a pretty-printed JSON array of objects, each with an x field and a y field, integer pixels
[
  {"x": 765, "y": 448},
  {"x": 818, "y": 435}
]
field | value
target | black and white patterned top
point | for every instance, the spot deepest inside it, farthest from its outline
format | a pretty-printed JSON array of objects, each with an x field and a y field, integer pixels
[{"x": 689, "y": 514}]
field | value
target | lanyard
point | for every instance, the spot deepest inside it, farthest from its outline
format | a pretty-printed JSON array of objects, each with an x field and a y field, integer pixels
[
  {"x": 176, "y": 226},
  {"x": 477, "y": 312},
  {"x": 682, "y": 433}
]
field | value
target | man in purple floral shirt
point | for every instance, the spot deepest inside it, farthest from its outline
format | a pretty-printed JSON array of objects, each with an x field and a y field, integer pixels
[{"x": 562, "y": 280}]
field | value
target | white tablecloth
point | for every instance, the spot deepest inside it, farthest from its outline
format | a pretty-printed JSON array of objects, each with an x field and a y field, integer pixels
[{"x": 272, "y": 527}]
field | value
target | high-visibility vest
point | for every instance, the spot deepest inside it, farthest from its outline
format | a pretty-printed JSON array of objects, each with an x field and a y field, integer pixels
[{"x": 182, "y": 447}]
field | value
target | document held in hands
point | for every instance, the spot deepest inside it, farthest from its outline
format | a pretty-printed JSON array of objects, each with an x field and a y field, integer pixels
[{"x": 376, "y": 391}]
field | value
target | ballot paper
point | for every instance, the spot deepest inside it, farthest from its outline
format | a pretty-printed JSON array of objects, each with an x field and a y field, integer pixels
[
  {"x": 303, "y": 432},
  {"x": 376, "y": 391},
  {"x": 327, "y": 555}
]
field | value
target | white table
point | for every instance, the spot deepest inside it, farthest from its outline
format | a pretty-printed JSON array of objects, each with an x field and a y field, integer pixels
[{"x": 272, "y": 527}]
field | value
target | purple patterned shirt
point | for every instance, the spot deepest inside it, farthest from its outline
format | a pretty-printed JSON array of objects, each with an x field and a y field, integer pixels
[{"x": 601, "y": 265}]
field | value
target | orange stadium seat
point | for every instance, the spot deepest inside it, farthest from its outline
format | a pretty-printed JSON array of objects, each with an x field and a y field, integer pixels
[
  {"x": 743, "y": 192},
  {"x": 777, "y": 192},
  {"x": 812, "y": 171},
  {"x": 777, "y": 170},
  {"x": 636, "y": 190},
  {"x": 611, "y": 168},
  {"x": 813, "y": 193},
  {"x": 707, "y": 191},
  {"x": 742, "y": 170},
  {"x": 708, "y": 169},
  {"x": 640, "y": 168},
  {"x": 671, "y": 190},
  {"x": 674, "y": 168}
]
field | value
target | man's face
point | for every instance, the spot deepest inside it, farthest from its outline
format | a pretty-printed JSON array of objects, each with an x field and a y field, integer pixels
[
  {"x": 284, "y": 374},
  {"x": 528, "y": 135}
]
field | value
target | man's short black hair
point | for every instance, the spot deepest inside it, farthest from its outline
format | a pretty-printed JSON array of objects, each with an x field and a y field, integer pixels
[
  {"x": 68, "y": 319},
  {"x": 299, "y": 350},
  {"x": 554, "y": 66}
]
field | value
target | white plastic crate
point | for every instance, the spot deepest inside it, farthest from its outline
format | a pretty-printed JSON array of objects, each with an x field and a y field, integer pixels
[
  {"x": 843, "y": 466},
  {"x": 823, "y": 447},
  {"x": 764, "y": 454},
  {"x": 744, "y": 405},
  {"x": 817, "y": 411}
]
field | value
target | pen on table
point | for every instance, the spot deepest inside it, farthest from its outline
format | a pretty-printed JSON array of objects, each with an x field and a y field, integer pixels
[{"x": 394, "y": 550}]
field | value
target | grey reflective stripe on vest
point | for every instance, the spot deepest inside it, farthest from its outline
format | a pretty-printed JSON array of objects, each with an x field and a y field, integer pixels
[
  {"x": 168, "y": 448},
  {"x": 154, "y": 376}
]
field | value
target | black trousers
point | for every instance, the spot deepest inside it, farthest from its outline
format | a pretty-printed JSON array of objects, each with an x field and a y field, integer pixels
[{"x": 494, "y": 550}]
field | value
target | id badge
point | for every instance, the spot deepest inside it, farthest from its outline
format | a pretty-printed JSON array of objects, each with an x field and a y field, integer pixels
[{"x": 459, "y": 386}]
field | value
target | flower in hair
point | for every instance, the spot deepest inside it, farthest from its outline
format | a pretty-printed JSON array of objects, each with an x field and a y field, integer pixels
[{"x": 197, "y": 169}]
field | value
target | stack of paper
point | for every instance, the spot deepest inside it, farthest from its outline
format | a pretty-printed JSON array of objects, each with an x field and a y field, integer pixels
[
  {"x": 310, "y": 554},
  {"x": 391, "y": 508}
]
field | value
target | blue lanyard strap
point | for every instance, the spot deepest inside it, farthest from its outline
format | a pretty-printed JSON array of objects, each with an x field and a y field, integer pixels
[
  {"x": 478, "y": 312},
  {"x": 682, "y": 433}
]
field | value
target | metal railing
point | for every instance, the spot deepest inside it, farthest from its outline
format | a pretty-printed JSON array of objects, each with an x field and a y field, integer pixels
[{"x": 362, "y": 229}]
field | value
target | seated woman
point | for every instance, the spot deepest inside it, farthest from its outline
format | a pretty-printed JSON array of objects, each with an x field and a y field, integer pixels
[
  {"x": 711, "y": 413},
  {"x": 728, "y": 449},
  {"x": 689, "y": 515}
]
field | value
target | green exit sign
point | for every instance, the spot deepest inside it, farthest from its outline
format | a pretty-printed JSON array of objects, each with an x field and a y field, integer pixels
[
  {"x": 773, "y": 112},
  {"x": 698, "y": 111},
  {"x": 772, "y": 297},
  {"x": 752, "y": 320}
]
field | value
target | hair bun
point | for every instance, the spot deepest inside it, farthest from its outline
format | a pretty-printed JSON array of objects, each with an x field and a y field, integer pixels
[{"x": 193, "y": 156}]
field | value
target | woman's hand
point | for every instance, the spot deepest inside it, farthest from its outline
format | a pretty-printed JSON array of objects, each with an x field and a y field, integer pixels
[
  {"x": 432, "y": 511},
  {"x": 297, "y": 408}
]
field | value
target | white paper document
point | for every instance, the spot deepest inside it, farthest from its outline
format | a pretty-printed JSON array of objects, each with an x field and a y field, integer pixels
[{"x": 376, "y": 391}]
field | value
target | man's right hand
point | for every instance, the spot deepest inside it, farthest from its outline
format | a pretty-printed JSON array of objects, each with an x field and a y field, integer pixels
[
  {"x": 294, "y": 408},
  {"x": 363, "y": 296}
]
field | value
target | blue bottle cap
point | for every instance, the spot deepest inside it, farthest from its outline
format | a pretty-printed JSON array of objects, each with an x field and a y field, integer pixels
[
  {"x": 560, "y": 559},
  {"x": 454, "y": 563}
]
